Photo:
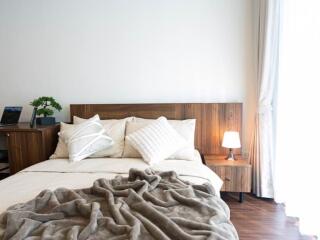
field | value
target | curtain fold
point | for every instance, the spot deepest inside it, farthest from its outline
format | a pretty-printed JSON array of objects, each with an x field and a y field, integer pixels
[
  {"x": 285, "y": 162},
  {"x": 261, "y": 153}
]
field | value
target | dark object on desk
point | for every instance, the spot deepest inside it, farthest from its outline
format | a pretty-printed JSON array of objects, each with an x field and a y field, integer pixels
[
  {"x": 10, "y": 116},
  {"x": 33, "y": 118},
  {"x": 46, "y": 120}
]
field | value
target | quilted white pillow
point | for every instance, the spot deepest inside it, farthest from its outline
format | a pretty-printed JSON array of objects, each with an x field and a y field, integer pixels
[
  {"x": 186, "y": 128},
  {"x": 129, "y": 151},
  {"x": 156, "y": 141},
  {"x": 116, "y": 130},
  {"x": 85, "y": 139}
]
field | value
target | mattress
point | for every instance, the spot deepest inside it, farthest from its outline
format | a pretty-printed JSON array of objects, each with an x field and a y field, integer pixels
[{"x": 57, "y": 173}]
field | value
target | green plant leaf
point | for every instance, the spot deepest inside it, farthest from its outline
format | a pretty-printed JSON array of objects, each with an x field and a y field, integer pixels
[
  {"x": 46, "y": 105},
  {"x": 45, "y": 112}
]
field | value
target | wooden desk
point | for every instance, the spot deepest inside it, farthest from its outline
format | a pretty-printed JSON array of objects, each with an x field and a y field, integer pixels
[{"x": 27, "y": 146}]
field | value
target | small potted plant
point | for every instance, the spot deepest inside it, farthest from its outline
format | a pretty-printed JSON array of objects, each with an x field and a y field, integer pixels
[{"x": 45, "y": 106}]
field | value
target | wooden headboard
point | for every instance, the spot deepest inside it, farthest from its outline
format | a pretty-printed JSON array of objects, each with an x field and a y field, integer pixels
[{"x": 213, "y": 119}]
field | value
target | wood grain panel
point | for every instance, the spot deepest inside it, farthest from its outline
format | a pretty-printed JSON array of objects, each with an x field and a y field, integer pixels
[
  {"x": 27, "y": 146},
  {"x": 236, "y": 179},
  {"x": 212, "y": 118},
  {"x": 210, "y": 128},
  {"x": 49, "y": 141},
  {"x": 24, "y": 149},
  {"x": 118, "y": 111},
  {"x": 195, "y": 111},
  {"x": 236, "y": 175}
]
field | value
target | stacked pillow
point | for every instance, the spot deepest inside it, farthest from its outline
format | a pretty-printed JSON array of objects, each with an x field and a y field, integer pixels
[
  {"x": 156, "y": 141},
  {"x": 185, "y": 128},
  {"x": 114, "y": 129},
  {"x": 85, "y": 139},
  {"x": 152, "y": 140}
]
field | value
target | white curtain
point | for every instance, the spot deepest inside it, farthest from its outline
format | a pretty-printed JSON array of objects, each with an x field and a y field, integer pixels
[
  {"x": 297, "y": 162},
  {"x": 262, "y": 147}
]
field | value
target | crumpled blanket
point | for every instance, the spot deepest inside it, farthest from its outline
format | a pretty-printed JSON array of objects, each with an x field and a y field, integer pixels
[{"x": 144, "y": 205}]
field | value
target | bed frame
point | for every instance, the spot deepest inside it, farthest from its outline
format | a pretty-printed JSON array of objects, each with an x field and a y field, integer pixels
[{"x": 213, "y": 119}]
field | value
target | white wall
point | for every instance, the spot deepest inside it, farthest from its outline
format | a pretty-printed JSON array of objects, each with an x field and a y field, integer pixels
[{"x": 125, "y": 51}]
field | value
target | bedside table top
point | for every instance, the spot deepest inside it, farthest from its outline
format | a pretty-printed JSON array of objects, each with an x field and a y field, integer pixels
[
  {"x": 25, "y": 127},
  {"x": 212, "y": 160}
]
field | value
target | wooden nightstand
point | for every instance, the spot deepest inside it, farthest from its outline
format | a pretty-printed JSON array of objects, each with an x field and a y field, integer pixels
[
  {"x": 236, "y": 175},
  {"x": 26, "y": 146}
]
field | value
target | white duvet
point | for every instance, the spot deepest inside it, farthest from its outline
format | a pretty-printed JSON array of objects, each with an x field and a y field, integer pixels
[{"x": 56, "y": 173}]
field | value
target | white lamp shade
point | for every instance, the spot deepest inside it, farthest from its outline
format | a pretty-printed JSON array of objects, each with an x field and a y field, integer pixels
[{"x": 231, "y": 139}]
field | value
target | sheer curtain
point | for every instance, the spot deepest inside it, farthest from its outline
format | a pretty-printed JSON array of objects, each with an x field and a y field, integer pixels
[
  {"x": 297, "y": 162},
  {"x": 262, "y": 147}
]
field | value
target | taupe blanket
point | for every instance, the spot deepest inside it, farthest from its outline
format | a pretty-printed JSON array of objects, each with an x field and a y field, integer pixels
[{"x": 146, "y": 205}]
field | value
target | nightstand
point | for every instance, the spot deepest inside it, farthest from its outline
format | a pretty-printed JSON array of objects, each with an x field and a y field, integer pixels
[
  {"x": 25, "y": 146},
  {"x": 236, "y": 175}
]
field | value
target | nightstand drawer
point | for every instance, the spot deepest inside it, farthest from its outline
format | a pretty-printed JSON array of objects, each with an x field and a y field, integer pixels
[{"x": 235, "y": 179}]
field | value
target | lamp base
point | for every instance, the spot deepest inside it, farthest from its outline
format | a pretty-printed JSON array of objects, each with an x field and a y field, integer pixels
[{"x": 230, "y": 156}]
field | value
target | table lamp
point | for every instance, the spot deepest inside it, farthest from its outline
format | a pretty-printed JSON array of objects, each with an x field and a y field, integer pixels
[{"x": 231, "y": 139}]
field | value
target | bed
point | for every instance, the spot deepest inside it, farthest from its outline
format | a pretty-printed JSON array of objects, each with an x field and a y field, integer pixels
[
  {"x": 57, "y": 173},
  {"x": 60, "y": 173}
]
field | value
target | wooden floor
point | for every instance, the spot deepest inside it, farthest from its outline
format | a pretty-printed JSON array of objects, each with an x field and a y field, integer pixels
[{"x": 257, "y": 219}]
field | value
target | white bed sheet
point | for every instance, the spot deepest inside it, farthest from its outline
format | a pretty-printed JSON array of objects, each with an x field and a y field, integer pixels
[{"x": 52, "y": 174}]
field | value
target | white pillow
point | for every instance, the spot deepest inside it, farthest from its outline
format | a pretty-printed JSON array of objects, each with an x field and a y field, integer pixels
[
  {"x": 85, "y": 139},
  {"x": 129, "y": 151},
  {"x": 116, "y": 130},
  {"x": 62, "y": 148},
  {"x": 156, "y": 141},
  {"x": 186, "y": 128}
]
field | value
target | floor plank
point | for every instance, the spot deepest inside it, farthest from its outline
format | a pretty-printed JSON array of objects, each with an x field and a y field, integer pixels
[{"x": 261, "y": 219}]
